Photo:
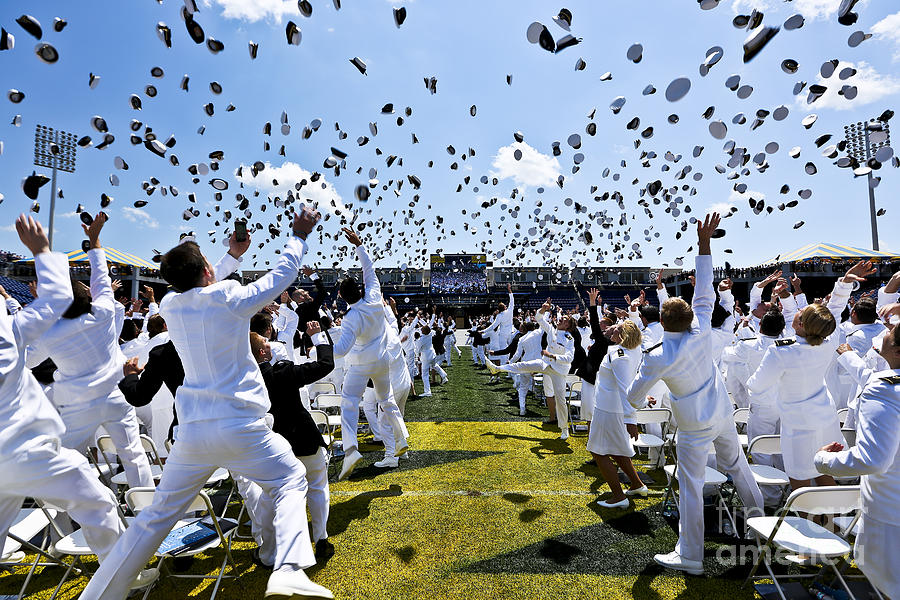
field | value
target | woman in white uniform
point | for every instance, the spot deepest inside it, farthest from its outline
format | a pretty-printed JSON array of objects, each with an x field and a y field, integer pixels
[
  {"x": 609, "y": 441},
  {"x": 555, "y": 362},
  {"x": 797, "y": 368}
]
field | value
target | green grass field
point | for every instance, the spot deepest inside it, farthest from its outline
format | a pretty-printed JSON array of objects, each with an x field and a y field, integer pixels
[{"x": 487, "y": 505}]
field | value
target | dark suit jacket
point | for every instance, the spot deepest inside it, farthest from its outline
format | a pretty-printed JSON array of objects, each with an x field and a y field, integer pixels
[
  {"x": 591, "y": 364},
  {"x": 163, "y": 367},
  {"x": 283, "y": 382},
  {"x": 309, "y": 311}
]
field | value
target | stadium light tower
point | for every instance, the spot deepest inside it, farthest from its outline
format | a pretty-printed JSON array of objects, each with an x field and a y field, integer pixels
[
  {"x": 55, "y": 150},
  {"x": 864, "y": 140}
]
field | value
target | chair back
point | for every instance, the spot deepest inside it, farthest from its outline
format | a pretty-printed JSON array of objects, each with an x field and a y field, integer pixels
[
  {"x": 741, "y": 416},
  {"x": 139, "y": 498},
  {"x": 646, "y": 416},
  {"x": 842, "y": 415},
  {"x": 849, "y": 436},
  {"x": 325, "y": 401},
  {"x": 320, "y": 387},
  {"x": 765, "y": 444},
  {"x": 825, "y": 500},
  {"x": 107, "y": 448},
  {"x": 150, "y": 448}
]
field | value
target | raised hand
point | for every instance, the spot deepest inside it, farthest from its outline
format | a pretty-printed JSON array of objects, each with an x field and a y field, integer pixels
[
  {"x": 3, "y": 293},
  {"x": 149, "y": 294},
  {"x": 312, "y": 328},
  {"x": 236, "y": 248},
  {"x": 352, "y": 236},
  {"x": 774, "y": 276},
  {"x": 859, "y": 272},
  {"x": 781, "y": 288},
  {"x": 693, "y": 280},
  {"x": 659, "y": 280},
  {"x": 32, "y": 235},
  {"x": 305, "y": 221},
  {"x": 131, "y": 367},
  {"x": 115, "y": 285},
  {"x": 795, "y": 283},
  {"x": 725, "y": 285},
  {"x": 594, "y": 296},
  {"x": 705, "y": 232},
  {"x": 308, "y": 271},
  {"x": 92, "y": 231}
]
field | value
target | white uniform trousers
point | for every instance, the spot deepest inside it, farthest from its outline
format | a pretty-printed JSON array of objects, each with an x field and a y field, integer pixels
[
  {"x": 588, "y": 391},
  {"x": 876, "y": 549},
  {"x": 246, "y": 448},
  {"x": 62, "y": 477},
  {"x": 370, "y": 409},
  {"x": 429, "y": 362},
  {"x": 411, "y": 365},
  {"x": 449, "y": 344},
  {"x": 355, "y": 380},
  {"x": 384, "y": 423},
  {"x": 523, "y": 382},
  {"x": 261, "y": 510},
  {"x": 556, "y": 381},
  {"x": 693, "y": 448},
  {"x": 765, "y": 419},
  {"x": 478, "y": 354},
  {"x": 119, "y": 419}
]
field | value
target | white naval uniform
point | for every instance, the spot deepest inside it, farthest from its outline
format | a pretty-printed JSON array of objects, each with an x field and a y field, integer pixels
[
  {"x": 876, "y": 460},
  {"x": 561, "y": 344},
  {"x": 401, "y": 386},
  {"x": 652, "y": 335},
  {"x": 89, "y": 368},
  {"x": 808, "y": 416},
  {"x": 32, "y": 462},
  {"x": 285, "y": 324},
  {"x": 702, "y": 411},
  {"x": 608, "y": 436},
  {"x": 221, "y": 412},
  {"x": 368, "y": 354},
  {"x": 528, "y": 349},
  {"x": 428, "y": 360}
]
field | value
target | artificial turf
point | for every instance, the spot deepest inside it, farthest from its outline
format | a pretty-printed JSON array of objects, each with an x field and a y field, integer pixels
[{"x": 486, "y": 505}]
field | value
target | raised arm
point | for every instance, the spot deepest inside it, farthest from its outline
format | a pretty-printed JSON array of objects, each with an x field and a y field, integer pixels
[
  {"x": 644, "y": 381},
  {"x": 307, "y": 373},
  {"x": 139, "y": 386},
  {"x": 704, "y": 295},
  {"x": 53, "y": 285},
  {"x": 101, "y": 285},
  {"x": 250, "y": 299},
  {"x": 768, "y": 374},
  {"x": 844, "y": 286},
  {"x": 370, "y": 279},
  {"x": 890, "y": 293}
]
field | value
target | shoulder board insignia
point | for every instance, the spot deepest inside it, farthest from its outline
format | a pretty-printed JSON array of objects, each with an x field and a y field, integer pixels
[
  {"x": 653, "y": 347},
  {"x": 859, "y": 331},
  {"x": 621, "y": 352},
  {"x": 786, "y": 342},
  {"x": 893, "y": 379},
  {"x": 750, "y": 339}
]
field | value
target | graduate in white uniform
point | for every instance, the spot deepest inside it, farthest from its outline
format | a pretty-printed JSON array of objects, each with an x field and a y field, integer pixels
[
  {"x": 84, "y": 347},
  {"x": 221, "y": 413},
  {"x": 876, "y": 460},
  {"x": 428, "y": 360},
  {"x": 555, "y": 363},
  {"x": 365, "y": 344},
  {"x": 528, "y": 347},
  {"x": 609, "y": 440},
  {"x": 796, "y": 367},
  {"x": 401, "y": 385},
  {"x": 32, "y": 461},
  {"x": 700, "y": 406}
]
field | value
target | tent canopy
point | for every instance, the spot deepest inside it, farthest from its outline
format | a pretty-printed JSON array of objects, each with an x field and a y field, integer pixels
[
  {"x": 831, "y": 252},
  {"x": 112, "y": 255}
]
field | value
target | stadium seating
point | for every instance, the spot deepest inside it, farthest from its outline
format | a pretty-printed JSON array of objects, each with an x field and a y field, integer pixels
[{"x": 17, "y": 290}]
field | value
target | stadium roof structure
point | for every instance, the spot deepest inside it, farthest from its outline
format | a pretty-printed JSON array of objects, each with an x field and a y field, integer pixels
[
  {"x": 823, "y": 251},
  {"x": 112, "y": 255}
]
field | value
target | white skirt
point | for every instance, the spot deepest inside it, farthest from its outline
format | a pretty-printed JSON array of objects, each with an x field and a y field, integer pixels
[
  {"x": 608, "y": 435},
  {"x": 800, "y": 442}
]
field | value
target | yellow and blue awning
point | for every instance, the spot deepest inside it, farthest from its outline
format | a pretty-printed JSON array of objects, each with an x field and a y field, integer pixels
[
  {"x": 823, "y": 251},
  {"x": 112, "y": 255}
]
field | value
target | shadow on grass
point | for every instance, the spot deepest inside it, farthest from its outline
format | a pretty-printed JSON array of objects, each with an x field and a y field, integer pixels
[
  {"x": 545, "y": 446},
  {"x": 357, "y": 508}
]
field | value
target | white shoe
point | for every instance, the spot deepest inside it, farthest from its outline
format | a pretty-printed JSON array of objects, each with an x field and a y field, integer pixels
[
  {"x": 445, "y": 380},
  {"x": 388, "y": 462},
  {"x": 145, "y": 578},
  {"x": 296, "y": 583},
  {"x": 351, "y": 459},
  {"x": 426, "y": 395},
  {"x": 521, "y": 412},
  {"x": 565, "y": 434},
  {"x": 620, "y": 504},
  {"x": 402, "y": 447},
  {"x": 641, "y": 491},
  {"x": 673, "y": 560}
]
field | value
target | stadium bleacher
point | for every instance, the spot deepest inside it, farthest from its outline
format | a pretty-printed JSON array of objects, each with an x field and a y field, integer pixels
[{"x": 17, "y": 290}]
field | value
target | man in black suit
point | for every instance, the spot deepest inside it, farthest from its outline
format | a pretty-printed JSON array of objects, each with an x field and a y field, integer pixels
[
  {"x": 308, "y": 306},
  {"x": 291, "y": 419},
  {"x": 163, "y": 367}
]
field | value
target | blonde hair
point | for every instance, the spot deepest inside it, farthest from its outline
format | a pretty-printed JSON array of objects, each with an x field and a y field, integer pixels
[
  {"x": 818, "y": 323},
  {"x": 631, "y": 335},
  {"x": 676, "y": 315},
  {"x": 257, "y": 343}
]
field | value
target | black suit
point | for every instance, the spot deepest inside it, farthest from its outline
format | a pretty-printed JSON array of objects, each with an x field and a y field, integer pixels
[
  {"x": 309, "y": 311},
  {"x": 163, "y": 367},
  {"x": 283, "y": 382},
  {"x": 589, "y": 367}
]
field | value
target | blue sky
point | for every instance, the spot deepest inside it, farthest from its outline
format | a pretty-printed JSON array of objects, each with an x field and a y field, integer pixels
[{"x": 470, "y": 47}]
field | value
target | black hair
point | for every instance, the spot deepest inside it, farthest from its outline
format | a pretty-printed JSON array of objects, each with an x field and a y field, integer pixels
[
  {"x": 81, "y": 304},
  {"x": 772, "y": 323},
  {"x": 866, "y": 310},
  {"x": 260, "y": 322},
  {"x": 129, "y": 331},
  {"x": 349, "y": 290},
  {"x": 183, "y": 266},
  {"x": 719, "y": 316},
  {"x": 650, "y": 313}
]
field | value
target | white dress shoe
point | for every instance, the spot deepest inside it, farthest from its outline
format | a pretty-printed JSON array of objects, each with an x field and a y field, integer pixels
[
  {"x": 388, "y": 462},
  {"x": 642, "y": 491},
  {"x": 620, "y": 504},
  {"x": 294, "y": 583},
  {"x": 428, "y": 395},
  {"x": 673, "y": 560},
  {"x": 445, "y": 380},
  {"x": 564, "y": 435},
  {"x": 145, "y": 578},
  {"x": 351, "y": 459}
]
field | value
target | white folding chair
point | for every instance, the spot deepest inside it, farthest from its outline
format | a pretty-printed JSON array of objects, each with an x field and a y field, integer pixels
[
  {"x": 801, "y": 541},
  {"x": 646, "y": 441},
  {"x": 765, "y": 474},
  {"x": 330, "y": 404},
  {"x": 108, "y": 451},
  {"x": 741, "y": 417},
  {"x": 849, "y": 436},
  {"x": 320, "y": 418},
  {"x": 577, "y": 425},
  {"x": 842, "y": 415},
  {"x": 320, "y": 387},
  {"x": 28, "y": 524},
  {"x": 140, "y": 498}
]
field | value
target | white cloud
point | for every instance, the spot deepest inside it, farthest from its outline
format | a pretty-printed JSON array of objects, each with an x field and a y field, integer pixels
[
  {"x": 287, "y": 175},
  {"x": 255, "y": 10},
  {"x": 533, "y": 169},
  {"x": 737, "y": 199},
  {"x": 811, "y": 9},
  {"x": 888, "y": 29},
  {"x": 872, "y": 86},
  {"x": 136, "y": 215}
]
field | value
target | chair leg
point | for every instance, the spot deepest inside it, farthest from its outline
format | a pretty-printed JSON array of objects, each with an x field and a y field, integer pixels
[{"x": 65, "y": 577}]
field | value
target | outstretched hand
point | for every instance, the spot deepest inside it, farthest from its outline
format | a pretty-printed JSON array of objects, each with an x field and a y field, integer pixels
[
  {"x": 305, "y": 221},
  {"x": 859, "y": 272},
  {"x": 705, "y": 232},
  {"x": 92, "y": 231},
  {"x": 32, "y": 235},
  {"x": 352, "y": 236}
]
